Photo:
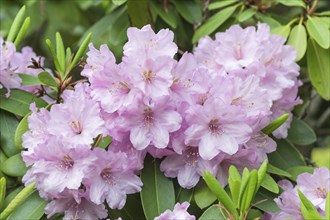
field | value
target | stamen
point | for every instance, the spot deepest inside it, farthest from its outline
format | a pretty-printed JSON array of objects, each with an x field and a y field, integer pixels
[
  {"x": 108, "y": 177},
  {"x": 148, "y": 117},
  {"x": 148, "y": 76},
  {"x": 191, "y": 156},
  {"x": 76, "y": 127},
  {"x": 321, "y": 192},
  {"x": 215, "y": 127},
  {"x": 67, "y": 163}
]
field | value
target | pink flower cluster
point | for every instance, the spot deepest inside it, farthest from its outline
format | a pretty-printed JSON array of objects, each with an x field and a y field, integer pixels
[
  {"x": 314, "y": 186},
  {"x": 203, "y": 112},
  {"x": 12, "y": 63},
  {"x": 179, "y": 212}
]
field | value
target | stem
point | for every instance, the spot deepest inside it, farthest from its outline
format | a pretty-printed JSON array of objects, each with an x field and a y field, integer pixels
[{"x": 313, "y": 8}]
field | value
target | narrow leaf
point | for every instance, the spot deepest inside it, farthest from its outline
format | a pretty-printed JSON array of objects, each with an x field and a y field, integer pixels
[
  {"x": 212, "y": 213},
  {"x": 319, "y": 31},
  {"x": 138, "y": 13},
  {"x": 19, "y": 101},
  {"x": 2, "y": 191},
  {"x": 275, "y": 124},
  {"x": 22, "y": 31},
  {"x": 203, "y": 195},
  {"x": 169, "y": 16},
  {"x": 291, "y": 3},
  {"x": 262, "y": 172},
  {"x": 274, "y": 170},
  {"x": 47, "y": 79},
  {"x": 80, "y": 51},
  {"x": 248, "y": 13},
  {"x": 20, "y": 130},
  {"x": 189, "y": 10},
  {"x": 270, "y": 184},
  {"x": 319, "y": 69},
  {"x": 56, "y": 61},
  {"x": 60, "y": 53},
  {"x": 265, "y": 201},
  {"x": 327, "y": 206},
  {"x": 157, "y": 193},
  {"x": 234, "y": 182},
  {"x": 17, "y": 201},
  {"x": 68, "y": 55},
  {"x": 249, "y": 191},
  {"x": 29, "y": 80},
  {"x": 308, "y": 210},
  {"x": 298, "y": 40},
  {"x": 14, "y": 166},
  {"x": 220, "y": 4},
  {"x": 213, "y": 23},
  {"x": 7, "y": 130},
  {"x": 283, "y": 31},
  {"x": 15, "y": 27},
  {"x": 219, "y": 192}
]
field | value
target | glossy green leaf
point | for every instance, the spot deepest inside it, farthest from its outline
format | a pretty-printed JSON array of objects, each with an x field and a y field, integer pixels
[
  {"x": 283, "y": 31},
  {"x": 105, "y": 142},
  {"x": 221, "y": 4},
  {"x": 275, "y": 124},
  {"x": 300, "y": 133},
  {"x": 286, "y": 156},
  {"x": 264, "y": 200},
  {"x": 323, "y": 13},
  {"x": 32, "y": 208},
  {"x": 19, "y": 101},
  {"x": 244, "y": 182},
  {"x": 17, "y": 201},
  {"x": 29, "y": 80},
  {"x": 234, "y": 182},
  {"x": 68, "y": 55},
  {"x": 22, "y": 31},
  {"x": 319, "y": 31},
  {"x": 80, "y": 51},
  {"x": 184, "y": 195},
  {"x": 295, "y": 171},
  {"x": 255, "y": 214},
  {"x": 20, "y": 130},
  {"x": 270, "y": 184},
  {"x": 291, "y": 3},
  {"x": 168, "y": 16},
  {"x": 138, "y": 13},
  {"x": 212, "y": 213},
  {"x": 249, "y": 191},
  {"x": 46, "y": 79},
  {"x": 248, "y": 13},
  {"x": 298, "y": 40},
  {"x": 262, "y": 172},
  {"x": 203, "y": 195},
  {"x": 189, "y": 10},
  {"x": 60, "y": 51},
  {"x": 131, "y": 211},
  {"x": 16, "y": 26},
  {"x": 321, "y": 156},
  {"x": 213, "y": 23},
  {"x": 14, "y": 166},
  {"x": 269, "y": 20},
  {"x": 274, "y": 170},
  {"x": 325, "y": 20},
  {"x": 11, "y": 196},
  {"x": 157, "y": 193},
  {"x": 2, "y": 191},
  {"x": 318, "y": 68},
  {"x": 327, "y": 206},
  {"x": 219, "y": 192},
  {"x": 56, "y": 61},
  {"x": 7, "y": 130},
  {"x": 307, "y": 208}
]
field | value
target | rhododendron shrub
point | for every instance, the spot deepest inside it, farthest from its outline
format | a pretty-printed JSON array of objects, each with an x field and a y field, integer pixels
[{"x": 157, "y": 133}]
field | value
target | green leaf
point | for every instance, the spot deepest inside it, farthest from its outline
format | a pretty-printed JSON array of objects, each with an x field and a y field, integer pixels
[
  {"x": 32, "y": 208},
  {"x": 323, "y": 13},
  {"x": 60, "y": 51},
  {"x": 291, "y": 3},
  {"x": 46, "y": 79},
  {"x": 14, "y": 166},
  {"x": 255, "y": 214},
  {"x": 286, "y": 156},
  {"x": 203, "y": 195},
  {"x": 2, "y": 191},
  {"x": 327, "y": 206},
  {"x": 318, "y": 68},
  {"x": 22, "y": 31},
  {"x": 68, "y": 55},
  {"x": 184, "y": 195},
  {"x": 220, "y": 4},
  {"x": 283, "y": 31},
  {"x": 19, "y": 101},
  {"x": 105, "y": 142},
  {"x": 17, "y": 23},
  {"x": 321, "y": 156},
  {"x": 295, "y": 171},
  {"x": 275, "y": 124},
  {"x": 157, "y": 193},
  {"x": 56, "y": 61},
  {"x": 270, "y": 184},
  {"x": 298, "y": 40},
  {"x": 264, "y": 200},
  {"x": 189, "y": 10},
  {"x": 219, "y": 192},
  {"x": 249, "y": 191},
  {"x": 17, "y": 201},
  {"x": 213, "y": 23},
  {"x": 307, "y": 208},
  {"x": 80, "y": 51},
  {"x": 300, "y": 133},
  {"x": 170, "y": 17},
  {"x": 269, "y": 20},
  {"x": 234, "y": 182},
  {"x": 319, "y": 31},
  {"x": 262, "y": 172},
  {"x": 20, "y": 130},
  {"x": 248, "y": 13},
  {"x": 7, "y": 130},
  {"x": 212, "y": 213},
  {"x": 29, "y": 80},
  {"x": 131, "y": 211},
  {"x": 138, "y": 13},
  {"x": 274, "y": 170},
  {"x": 11, "y": 196}
]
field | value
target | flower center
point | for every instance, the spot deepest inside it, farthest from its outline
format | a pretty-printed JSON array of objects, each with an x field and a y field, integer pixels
[
  {"x": 321, "y": 192},
  {"x": 191, "y": 156},
  {"x": 76, "y": 127},
  {"x": 67, "y": 162},
  {"x": 215, "y": 127},
  {"x": 148, "y": 117},
  {"x": 148, "y": 76},
  {"x": 108, "y": 176}
]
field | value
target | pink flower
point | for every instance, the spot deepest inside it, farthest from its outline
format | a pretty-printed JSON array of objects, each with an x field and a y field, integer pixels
[
  {"x": 179, "y": 213},
  {"x": 112, "y": 178}
]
